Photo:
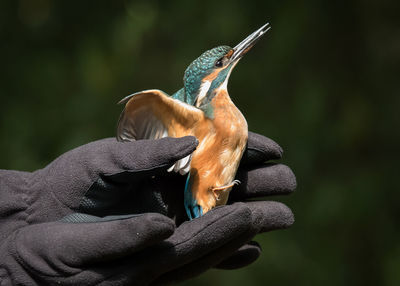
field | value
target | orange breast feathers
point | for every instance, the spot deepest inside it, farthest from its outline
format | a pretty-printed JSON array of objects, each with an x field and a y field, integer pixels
[
  {"x": 216, "y": 159},
  {"x": 152, "y": 114}
]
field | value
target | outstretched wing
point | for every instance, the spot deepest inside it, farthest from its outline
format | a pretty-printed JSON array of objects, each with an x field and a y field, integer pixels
[{"x": 152, "y": 114}]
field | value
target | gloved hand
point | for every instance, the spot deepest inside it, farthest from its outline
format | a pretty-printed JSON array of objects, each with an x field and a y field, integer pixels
[{"x": 83, "y": 249}]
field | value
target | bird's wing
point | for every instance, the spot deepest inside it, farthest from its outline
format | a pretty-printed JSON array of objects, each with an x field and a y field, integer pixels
[{"x": 152, "y": 114}]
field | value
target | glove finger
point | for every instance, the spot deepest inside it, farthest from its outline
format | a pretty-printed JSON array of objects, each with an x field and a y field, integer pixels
[
  {"x": 270, "y": 215},
  {"x": 269, "y": 179},
  {"x": 204, "y": 263},
  {"x": 149, "y": 154},
  {"x": 190, "y": 241},
  {"x": 194, "y": 239},
  {"x": 67, "y": 245},
  {"x": 260, "y": 149},
  {"x": 265, "y": 216},
  {"x": 244, "y": 256}
]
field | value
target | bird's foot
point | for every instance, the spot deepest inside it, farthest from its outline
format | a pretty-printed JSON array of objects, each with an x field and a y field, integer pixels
[{"x": 223, "y": 188}]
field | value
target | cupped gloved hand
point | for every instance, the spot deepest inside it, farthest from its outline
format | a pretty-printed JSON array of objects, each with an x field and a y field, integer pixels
[
  {"x": 131, "y": 250},
  {"x": 54, "y": 228}
]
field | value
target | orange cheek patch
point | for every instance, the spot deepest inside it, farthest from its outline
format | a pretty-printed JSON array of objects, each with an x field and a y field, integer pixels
[{"x": 212, "y": 75}]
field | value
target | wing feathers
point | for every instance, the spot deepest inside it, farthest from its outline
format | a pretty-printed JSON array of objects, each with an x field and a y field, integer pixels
[{"x": 152, "y": 114}]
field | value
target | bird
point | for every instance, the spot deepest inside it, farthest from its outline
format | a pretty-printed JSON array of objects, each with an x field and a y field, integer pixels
[{"x": 204, "y": 109}]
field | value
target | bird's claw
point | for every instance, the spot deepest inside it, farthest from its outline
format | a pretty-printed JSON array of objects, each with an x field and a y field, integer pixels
[{"x": 223, "y": 189}]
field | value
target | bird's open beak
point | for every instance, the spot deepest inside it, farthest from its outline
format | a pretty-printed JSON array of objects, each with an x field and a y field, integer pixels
[{"x": 244, "y": 46}]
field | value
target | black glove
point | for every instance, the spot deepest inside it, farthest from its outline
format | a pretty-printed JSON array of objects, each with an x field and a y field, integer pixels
[{"x": 86, "y": 249}]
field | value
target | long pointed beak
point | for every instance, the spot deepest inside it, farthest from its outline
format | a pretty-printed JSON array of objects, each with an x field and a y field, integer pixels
[{"x": 244, "y": 46}]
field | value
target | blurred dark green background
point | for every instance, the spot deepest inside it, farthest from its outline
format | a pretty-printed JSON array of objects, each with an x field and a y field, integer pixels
[{"x": 323, "y": 83}]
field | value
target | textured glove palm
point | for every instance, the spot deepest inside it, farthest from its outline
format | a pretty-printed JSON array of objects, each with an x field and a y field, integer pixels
[{"x": 74, "y": 221}]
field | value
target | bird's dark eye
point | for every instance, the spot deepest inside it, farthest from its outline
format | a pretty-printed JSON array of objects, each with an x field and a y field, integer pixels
[{"x": 218, "y": 63}]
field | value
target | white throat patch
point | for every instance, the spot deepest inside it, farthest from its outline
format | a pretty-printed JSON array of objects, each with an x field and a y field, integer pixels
[{"x": 205, "y": 86}]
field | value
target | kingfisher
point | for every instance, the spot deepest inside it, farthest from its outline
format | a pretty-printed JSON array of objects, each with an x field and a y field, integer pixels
[{"x": 204, "y": 109}]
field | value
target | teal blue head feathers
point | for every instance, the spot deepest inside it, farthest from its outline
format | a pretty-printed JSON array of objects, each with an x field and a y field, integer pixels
[
  {"x": 200, "y": 68},
  {"x": 212, "y": 69}
]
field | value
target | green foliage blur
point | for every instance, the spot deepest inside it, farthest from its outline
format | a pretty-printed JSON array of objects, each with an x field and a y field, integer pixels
[{"x": 323, "y": 83}]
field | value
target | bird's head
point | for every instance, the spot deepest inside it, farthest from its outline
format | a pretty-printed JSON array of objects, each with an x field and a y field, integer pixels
[{"x": 212, "y": 69}]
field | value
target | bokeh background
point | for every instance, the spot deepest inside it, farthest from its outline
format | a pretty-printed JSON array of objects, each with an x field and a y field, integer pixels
[{"x": 323, "y": 83}]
